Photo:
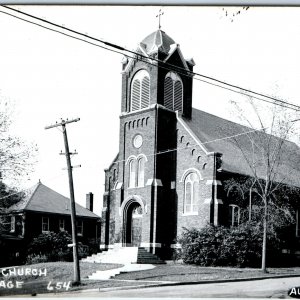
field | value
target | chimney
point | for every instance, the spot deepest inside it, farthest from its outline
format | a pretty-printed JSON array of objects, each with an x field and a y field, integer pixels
[{"x": 89, "y": 201}]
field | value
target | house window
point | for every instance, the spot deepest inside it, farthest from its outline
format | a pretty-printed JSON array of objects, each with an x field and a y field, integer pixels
[
  {"x": 234, "y": 215},
  {"x": 141, "y": 171},
  {"x": 140, "y": 91},
  {"x": 12, "y": 224},
  {"x": 45, "y": 224},
  {"x": 79, "y": 228},
  {"x": 173, "y": 92},
  {"x": 61, "y": 224},
  {"x": 191, "y": 193},
  {"x": 132, "y": 173}
]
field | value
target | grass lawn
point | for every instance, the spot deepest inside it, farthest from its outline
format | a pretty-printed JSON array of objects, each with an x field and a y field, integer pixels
[
  {"x": 181, "y": 272},
  {"x": 56, "y": 272},
  {"x": 184, "y": 273}
]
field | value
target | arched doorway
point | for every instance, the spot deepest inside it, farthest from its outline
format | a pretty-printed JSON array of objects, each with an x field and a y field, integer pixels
[{"x": 133, "y": 225}]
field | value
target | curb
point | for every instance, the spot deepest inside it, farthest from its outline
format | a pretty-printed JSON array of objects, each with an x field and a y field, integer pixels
[{"x": 191, "y": 283}]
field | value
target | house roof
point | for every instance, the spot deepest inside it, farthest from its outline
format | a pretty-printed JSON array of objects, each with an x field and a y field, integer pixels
[
  {"x": 41, "y": 198},
  {"x": 212, "y": 132}
]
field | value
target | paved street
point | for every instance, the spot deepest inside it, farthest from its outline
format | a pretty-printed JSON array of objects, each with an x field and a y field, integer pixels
[{"x": 276, "y": 288}]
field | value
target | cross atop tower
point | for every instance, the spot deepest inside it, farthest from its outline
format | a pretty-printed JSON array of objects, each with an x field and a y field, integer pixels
[{"x": 160, "y": 13}]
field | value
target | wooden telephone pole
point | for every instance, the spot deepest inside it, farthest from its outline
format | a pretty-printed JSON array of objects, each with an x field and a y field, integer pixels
[{"x": 72, "y": 198}]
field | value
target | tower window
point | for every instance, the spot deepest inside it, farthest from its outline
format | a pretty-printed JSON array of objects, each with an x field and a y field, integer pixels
[
  {"x": 141, "y": 167},
  {"x": 140, "y": 91},
  {"x": 132, "y": 173},
  {"x": 173, "y": 92},
  {"x": 136, "y": 166}
]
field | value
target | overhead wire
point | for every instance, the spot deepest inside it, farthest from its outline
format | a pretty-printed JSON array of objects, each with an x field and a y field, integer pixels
[
  {"x": 167, "y": 66},
  {"x": 197, "y": 144},
  {"x": 246, "y": 92}
]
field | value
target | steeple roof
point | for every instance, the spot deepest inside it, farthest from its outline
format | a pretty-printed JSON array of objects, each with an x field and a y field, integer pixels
[{"x": 157, "y": 41}]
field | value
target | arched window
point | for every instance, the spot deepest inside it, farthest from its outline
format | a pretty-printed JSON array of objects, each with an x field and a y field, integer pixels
[
  {"x": 173, "y": 92},
  {"x": 140, "y": 91},
  {"x": 191, "y": 193},
  {"x": 132, "y": 173},
  {"x": 140, "y": 172},
  {"x": 136, "y": 168}
]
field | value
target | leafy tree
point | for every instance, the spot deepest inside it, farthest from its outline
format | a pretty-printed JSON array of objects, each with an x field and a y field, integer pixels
[
  {"x": 16, "y": 156},
  {"x": 270, "y": 159}
]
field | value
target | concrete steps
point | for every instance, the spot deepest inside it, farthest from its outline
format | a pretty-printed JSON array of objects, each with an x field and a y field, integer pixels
[
  {"x": 124, "y": 256},
  {"x": 108, "y": 274},
  {"x": 119, "y": 255},
  {"x": 145, "y": 257}
]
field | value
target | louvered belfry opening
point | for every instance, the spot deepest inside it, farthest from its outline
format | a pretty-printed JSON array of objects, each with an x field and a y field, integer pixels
[
  {"x": 173, "y": 92},
  {"x": 140, "y": 91}
]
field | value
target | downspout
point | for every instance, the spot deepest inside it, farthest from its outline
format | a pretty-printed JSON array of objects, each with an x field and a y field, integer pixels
[
  {"x": 214, "y": 192},
  {"x": 123, "y": 224}
]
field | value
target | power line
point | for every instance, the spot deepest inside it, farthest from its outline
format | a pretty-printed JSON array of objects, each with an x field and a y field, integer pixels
[
  {"x": 198, "y": 144},
  {"x": 186, "y": 72}
]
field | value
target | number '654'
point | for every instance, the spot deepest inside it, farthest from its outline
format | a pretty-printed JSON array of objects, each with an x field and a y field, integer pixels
[{"x": 58, "y": 285}]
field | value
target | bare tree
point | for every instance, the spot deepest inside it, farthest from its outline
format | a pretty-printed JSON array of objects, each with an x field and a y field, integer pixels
[{"x": 271, "y": 160}]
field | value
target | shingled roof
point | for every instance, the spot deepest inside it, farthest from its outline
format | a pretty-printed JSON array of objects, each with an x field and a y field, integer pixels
[
  {"x": 208, "y": 128},
  {"x": 41, "y": 198}
]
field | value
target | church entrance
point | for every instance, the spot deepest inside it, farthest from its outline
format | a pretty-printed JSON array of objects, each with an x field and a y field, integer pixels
[{"x": 134, "y": 218}]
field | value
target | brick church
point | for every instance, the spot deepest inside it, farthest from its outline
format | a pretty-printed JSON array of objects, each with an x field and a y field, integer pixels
[{"x": 173, "y": 159}]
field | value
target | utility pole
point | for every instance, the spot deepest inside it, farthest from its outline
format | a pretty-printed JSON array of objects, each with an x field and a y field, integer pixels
[{"x": 72, "y": 198}]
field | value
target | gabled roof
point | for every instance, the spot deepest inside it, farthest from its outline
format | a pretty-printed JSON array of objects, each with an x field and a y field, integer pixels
[
  {"x": 41, "y": 198},
  {"x": 213, "y": 132}
]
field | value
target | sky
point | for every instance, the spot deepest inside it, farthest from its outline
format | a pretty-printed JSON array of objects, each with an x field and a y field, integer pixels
[{"x": 47, "y": 76}]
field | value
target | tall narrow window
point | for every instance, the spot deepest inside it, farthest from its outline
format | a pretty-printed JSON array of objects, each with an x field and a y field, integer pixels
[
  {"x": 132, "y": 173},
  {"x": 140, "y": 91},
  {"x": 79, "y": 228},
  {"x": 173, "y": 92},
  {"x": 12, "y": 224},
  {"x": 145, "y": 97},
  {"x": 45, "y": 224},
  {"x": 135, "y": 95},
  {"x": 61, "y": 224},
  {"x": 234, "y": 215},
  {"x": 191, "y": 193},
  {"x": 141, "y": 171},
  {"x": 168, "y": 97},
  {"x": 297, "y": 223}
]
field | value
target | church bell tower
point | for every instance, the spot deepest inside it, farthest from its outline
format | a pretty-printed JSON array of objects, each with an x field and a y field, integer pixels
[{"x": 140, "y": 196}]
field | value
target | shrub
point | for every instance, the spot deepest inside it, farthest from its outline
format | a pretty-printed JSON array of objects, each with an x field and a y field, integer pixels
[
  {"x": 36, "y": 258},
  {"x": 53, "y": 246},
  {"x": 221, "y": 246}
]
